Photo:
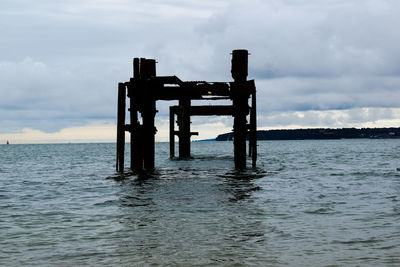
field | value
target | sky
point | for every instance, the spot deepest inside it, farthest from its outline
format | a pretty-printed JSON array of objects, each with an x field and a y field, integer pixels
[{"x": 331, "y": 63}]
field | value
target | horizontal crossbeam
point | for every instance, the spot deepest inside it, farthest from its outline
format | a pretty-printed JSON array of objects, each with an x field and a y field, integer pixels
[{"x": 218, "y": 110}]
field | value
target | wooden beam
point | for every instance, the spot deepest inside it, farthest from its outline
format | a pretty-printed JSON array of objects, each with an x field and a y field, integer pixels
[
  {"x": 217, "y": 110},
  {"x": 211, "y": 110}
]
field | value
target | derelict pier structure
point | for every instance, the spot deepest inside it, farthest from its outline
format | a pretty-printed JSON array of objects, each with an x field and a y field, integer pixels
[{"x": 145, "y": 88}]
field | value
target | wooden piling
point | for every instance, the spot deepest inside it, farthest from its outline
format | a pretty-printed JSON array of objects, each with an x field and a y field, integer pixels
[
  {"x": 135, "y": 127},
  {"x": 148, "y": 111},
  {"x": 171, "y": 132},
  {"x": 239, "y": 134},
  {"x": 121, "y": 127},
  {"x": 240, "y": 104},
  {"x": 184, "y": 128},
  {"x": 253, "y": 130},
  {"x": 149, "y": 132},
  {"x": 136, "y": 136}
]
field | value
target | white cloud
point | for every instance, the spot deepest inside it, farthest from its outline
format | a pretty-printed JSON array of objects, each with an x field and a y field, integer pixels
[
  {"x": 347, "y": 118},
  {"x": 88, "y": 133}
]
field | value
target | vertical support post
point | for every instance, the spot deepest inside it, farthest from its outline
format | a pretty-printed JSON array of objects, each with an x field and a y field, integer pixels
[
  {"x": 171, "y": 132},
  {"x": 121, "y": 127},
  {"x": 253, "y": 130},
  {"x": 136, "y": 129},
  {"x": 148, "y": 70},
  {"x": 136, "y": 136},
  {"x": 239, "y": 134},
  {"x": 184, "y": 128},
  {"x": 136, "y": 68},
  {"x": 149, "y": 132},
  {"x": 240, "y": 105}
]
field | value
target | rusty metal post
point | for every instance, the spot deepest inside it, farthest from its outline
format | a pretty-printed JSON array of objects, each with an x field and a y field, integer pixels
[
  {"x": 184, "y": 128},
  {"x": 121, "y": 127},
  {"x": 240, "y": 105}
]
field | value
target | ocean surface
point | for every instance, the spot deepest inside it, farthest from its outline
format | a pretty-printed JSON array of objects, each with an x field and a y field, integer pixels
[{"x": 308, "y": 203}]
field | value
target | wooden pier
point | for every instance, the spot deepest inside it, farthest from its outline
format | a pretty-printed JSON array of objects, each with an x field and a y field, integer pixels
[{"x": 145, "y": 88}]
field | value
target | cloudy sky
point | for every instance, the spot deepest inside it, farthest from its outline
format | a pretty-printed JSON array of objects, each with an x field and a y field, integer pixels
[{"x": 331, "y": 63}]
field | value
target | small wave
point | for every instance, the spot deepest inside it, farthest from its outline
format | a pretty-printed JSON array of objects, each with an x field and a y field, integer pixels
[
  {"x": 117, "y": 178},
  {"x": 337, "y": 174},
  {"x": 106, "y": 203},
  {"x": 256, "y": 173},
  {"x": 204, "y": 158},
  {"x": 321, "y": 211},
  {"x": 357, "y": 241}
]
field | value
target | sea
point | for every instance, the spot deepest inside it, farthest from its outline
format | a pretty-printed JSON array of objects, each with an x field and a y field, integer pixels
[{"x": 307, "y": 203}]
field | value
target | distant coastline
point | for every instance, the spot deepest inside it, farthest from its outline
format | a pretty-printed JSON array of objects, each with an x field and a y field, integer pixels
[{"x": 321, "y": 133}]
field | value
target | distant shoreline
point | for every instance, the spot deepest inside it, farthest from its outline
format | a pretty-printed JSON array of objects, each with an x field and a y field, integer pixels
[{"x": 322, "y": 134}]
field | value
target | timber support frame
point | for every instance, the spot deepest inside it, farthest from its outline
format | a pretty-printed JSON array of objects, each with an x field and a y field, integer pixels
[{"x": 145, "y": 88}]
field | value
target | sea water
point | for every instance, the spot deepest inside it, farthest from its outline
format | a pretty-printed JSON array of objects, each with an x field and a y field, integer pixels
[{"x": 308, "y": 203}]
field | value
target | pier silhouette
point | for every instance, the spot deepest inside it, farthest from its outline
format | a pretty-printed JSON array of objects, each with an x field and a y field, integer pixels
[{"x": 145, "y": 88}]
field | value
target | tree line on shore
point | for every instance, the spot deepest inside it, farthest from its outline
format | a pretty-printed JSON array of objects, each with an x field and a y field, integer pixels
[{"x": 321, "y": 133}]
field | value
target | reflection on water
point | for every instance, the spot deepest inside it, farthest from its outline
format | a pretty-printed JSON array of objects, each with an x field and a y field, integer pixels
[{"x": 185, "y": 213}]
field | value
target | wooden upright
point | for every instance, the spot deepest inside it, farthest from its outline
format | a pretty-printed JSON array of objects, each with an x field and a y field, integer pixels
[{"x": 145, "y": 88}]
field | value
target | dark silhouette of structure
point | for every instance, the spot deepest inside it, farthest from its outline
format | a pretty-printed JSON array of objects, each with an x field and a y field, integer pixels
[
  {"x": 321, "y": 133},
  {"x": 145, "y": 88}
]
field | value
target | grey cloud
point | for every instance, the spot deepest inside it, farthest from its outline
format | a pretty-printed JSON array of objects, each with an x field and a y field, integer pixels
[
  {"x": 60, "y": 61},
  {"x": 294, "y": 93},
  {"x": 34, "y": 92},
  {"x": 312, "y": 39}
]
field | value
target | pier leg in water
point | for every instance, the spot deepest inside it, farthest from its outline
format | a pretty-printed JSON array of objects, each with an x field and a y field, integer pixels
[
  {"x": 148, "y": 111},
  {"x": 239, "y": 134},
  {"x": 121, "y": 127},
  {"x": 253, "y": 129},
  {"x": 184, "y": 128},
  {"x": 149, "y": 131},
  {"x": 135, "y": 127},
  {"x": 240, "y": 105},
  {"x": 171, "y": 133}
]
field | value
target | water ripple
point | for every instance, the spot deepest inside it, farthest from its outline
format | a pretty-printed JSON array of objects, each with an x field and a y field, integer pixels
[{"x": 308, "y": 203}]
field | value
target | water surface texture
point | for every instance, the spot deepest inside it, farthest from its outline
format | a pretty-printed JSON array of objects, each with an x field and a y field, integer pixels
[{"x": 309, "y": 203}]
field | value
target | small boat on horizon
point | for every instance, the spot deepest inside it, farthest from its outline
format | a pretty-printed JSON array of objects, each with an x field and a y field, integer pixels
[{"x": 8, "y": 142}]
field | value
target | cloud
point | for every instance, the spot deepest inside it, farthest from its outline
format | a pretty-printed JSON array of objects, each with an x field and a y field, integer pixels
[
  {"x": 60, "y": 61},
  {"x": 106, "y": 132},
  {"x": 88, "y": 133},
  {"x": 357, "y": 117},
  {"x": 313, "y": 38},
  {"x": 317, "y": 93},
  {"x": 210, "y": 127},
  {"x": 47, "y": 97}
]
